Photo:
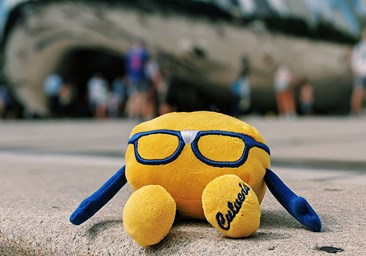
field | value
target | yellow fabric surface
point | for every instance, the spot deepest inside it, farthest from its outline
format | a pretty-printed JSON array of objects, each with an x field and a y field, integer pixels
[
  {"x": 231, "y": 206},
  {"x": 212, "y": 147},
  {"x": 167, "y": 145},
  {"x": 148, "y": 215}
]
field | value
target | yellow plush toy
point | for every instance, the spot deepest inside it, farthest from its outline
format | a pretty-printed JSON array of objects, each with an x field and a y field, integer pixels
[{"x": 203, "y": 165}]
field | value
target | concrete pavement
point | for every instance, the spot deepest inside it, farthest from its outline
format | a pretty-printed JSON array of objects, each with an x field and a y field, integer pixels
[{"x": 48, "y": 167}]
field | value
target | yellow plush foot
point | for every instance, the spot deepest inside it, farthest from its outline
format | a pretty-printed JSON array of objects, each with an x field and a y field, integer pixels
[
  {"x": 149, "y": 214},
  {"x": 231, "y": 206}
]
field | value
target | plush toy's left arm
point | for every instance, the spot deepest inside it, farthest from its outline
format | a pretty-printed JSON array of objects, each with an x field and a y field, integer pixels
[
  {"x": 297, "y": 206},
  {"x": 90, "y": 205}
]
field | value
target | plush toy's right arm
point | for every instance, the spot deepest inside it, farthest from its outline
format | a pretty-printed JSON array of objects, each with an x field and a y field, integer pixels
[
  {"x": 297, "y": 206},
  {"x": 90, "y": 205}
]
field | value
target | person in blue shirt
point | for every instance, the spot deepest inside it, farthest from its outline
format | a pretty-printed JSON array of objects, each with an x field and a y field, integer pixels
[{"x": 137, "y": 83}]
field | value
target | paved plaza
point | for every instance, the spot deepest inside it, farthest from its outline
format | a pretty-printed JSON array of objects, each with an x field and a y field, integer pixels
[{"x": 48, "y": 167}]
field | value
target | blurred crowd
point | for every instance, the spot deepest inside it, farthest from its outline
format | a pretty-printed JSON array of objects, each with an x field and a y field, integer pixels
[
  {"x": 148, "y": 86},
  {"x": 140, "y": 93},
  {"x": 294, "y": 94}
]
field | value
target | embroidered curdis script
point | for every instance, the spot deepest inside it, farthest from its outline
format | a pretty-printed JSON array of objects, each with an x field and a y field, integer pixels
[{"x": 234, "y": 208}]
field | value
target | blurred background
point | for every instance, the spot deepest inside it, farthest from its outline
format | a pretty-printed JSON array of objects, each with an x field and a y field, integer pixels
[{"x": 142, "y": 58}]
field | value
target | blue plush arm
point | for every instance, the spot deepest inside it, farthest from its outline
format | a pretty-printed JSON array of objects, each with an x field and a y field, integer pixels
[
  {"x": 297, "y": 206},
  {"x": 90, "y": 205}
]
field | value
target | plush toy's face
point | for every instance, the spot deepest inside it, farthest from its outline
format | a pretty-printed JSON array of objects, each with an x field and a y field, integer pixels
[{"x": 183, "y": 152}]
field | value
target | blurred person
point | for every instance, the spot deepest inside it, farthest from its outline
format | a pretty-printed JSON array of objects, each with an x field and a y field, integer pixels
[
  {"x": 283, "y": 80},
  {"x": 240, "y": 88},
  {"x": 113, "y": 105},
  {"x": 4, "y": 101},
  {"x": 155, "y": 79},
  {"x": 9, "y": 106},
  {"x": 167, "y": 89},
  {"x": 65, "y": 99},
  {"x": 51, "y": 86},
  {"x": 306, "y": 97},
  {"x": 98, "y": 95},
  {"x": 117, "y": 98},
  {"x": 138, "y": 87},
  {"x": 358, "y": 66}
]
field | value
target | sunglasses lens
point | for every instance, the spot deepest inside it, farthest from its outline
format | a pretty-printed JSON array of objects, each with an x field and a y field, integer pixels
[
  {"x": 221, "y": 148},
  {"x": 167, "y": 145}
]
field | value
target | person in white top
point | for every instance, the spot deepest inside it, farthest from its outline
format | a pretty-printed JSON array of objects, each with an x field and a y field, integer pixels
[
  {"x": 283, "y": 80},
  {"x": 358, "y": 66},
  {"x": 98, "y": 95}
]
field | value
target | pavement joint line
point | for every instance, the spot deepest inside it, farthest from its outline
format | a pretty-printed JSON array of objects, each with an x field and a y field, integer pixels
[
  {"x": 322, "y": 140},
  {"x": 295, "y": 163},
  {"x": 336, "y": 165}
]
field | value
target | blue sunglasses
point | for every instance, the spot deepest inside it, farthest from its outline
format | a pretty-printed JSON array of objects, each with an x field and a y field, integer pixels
[{"x": 192, "y": 137}]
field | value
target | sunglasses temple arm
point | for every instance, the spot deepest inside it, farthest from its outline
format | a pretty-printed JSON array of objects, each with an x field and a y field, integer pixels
[
  {"x": 90, "y": 205},
  {"x": 297, "y": 206}
]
